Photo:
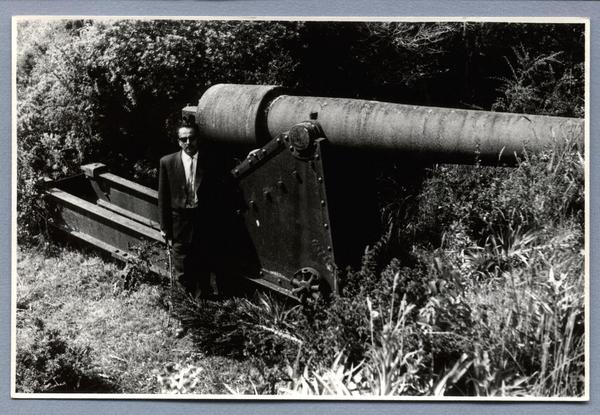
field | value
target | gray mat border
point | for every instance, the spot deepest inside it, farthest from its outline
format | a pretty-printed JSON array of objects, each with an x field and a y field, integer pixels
[{"x": 282, "y": 8}]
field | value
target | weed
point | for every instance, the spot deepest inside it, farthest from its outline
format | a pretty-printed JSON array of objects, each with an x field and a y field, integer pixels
[
  {"x": 139, "y": 267},
  {"x": 47, "y": 362}
]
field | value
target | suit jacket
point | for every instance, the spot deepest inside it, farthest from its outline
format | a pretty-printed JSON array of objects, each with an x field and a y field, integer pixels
[
  {"x": 217, "y": 219},
  {"x": 172, "y": 189}
]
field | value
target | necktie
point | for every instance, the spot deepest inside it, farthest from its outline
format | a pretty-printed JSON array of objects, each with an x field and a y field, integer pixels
[{"x": 190, "y": 183}]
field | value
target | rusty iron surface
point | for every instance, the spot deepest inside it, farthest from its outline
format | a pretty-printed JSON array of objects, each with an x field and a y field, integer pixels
[
  {"x": 80, "y": 208},
  {"x": 130, "y": 196},
  {"x": 235, "y": 113},
  {"x": 435, "y": 133},
  {"x": 287, "y": 218}
]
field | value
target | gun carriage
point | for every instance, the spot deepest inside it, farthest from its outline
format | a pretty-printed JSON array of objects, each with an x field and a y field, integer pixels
[{"x": 306, "y": 206}]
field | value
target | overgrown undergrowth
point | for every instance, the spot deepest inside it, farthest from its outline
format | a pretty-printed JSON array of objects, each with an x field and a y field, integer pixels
[
  {"x": 79, "y": 330},
  {"x": 488, "y": 301}
]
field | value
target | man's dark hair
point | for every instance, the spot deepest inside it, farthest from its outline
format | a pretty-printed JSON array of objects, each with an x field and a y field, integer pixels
[{"x": 191, "y": 125}]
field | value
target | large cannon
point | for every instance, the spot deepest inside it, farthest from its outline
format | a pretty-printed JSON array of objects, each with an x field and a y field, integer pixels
[{"x": 306, "y": 206}]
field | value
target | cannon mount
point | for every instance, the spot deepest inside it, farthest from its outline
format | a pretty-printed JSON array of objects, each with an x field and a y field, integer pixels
[{"x": 306, "y": 205}]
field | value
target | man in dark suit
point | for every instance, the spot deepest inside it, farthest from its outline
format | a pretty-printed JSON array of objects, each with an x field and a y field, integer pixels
[{"x": 186, "y": 201}]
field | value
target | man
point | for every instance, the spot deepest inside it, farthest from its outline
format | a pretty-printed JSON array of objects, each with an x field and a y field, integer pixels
[{"x": 187, "y": 193}]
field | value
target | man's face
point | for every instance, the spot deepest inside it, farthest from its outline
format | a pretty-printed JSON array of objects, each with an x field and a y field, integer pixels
[{"x": 188, "y": 141}]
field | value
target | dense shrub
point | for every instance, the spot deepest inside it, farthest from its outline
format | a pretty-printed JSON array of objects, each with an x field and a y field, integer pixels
[{"x": 110, "y": 90}]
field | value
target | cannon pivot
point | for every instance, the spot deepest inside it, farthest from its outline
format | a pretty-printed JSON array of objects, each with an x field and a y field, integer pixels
[{"x": 301, "y": 139}]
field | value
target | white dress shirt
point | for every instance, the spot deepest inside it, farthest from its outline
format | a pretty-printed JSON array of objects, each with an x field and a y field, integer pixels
[{"x": 189, "y": 166}]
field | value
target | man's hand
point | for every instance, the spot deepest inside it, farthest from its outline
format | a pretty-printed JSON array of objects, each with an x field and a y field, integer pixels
[{"x": 168, "y": 240}]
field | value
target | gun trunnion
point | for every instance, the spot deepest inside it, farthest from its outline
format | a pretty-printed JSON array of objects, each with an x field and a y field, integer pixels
[{"x": 307, "y": 207}]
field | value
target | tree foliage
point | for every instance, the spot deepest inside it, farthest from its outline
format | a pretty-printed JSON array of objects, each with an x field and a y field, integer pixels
[{"x": 110, "y": 90}]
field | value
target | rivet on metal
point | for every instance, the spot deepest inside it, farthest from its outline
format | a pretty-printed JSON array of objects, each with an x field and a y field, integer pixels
[
  {"x": 261, "y": 272},
  {"x": 249, "y": 161},
  {"x": 291, "y": 148},
  {"x": 325, "y": 225},
  {"x": 322, "y": 203},
  {"x": 319, "y": 179},
  {"x": 236, "y": 171},
  {"x": 316, "y": 157},
  {"x": 328, "y": 247}
]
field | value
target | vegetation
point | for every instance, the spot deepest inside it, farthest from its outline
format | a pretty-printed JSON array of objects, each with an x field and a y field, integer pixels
[
  {"x": 92, "y": 90},
  {"x": 496, "y": 308},
  {"x": 80, "y": 330},
  {"x": 476, "y": 289}
]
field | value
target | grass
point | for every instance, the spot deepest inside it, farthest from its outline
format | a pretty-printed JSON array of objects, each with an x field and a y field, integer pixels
[
  {"x": 483, "y": 298},
  {"x": 127, "y": 338}
]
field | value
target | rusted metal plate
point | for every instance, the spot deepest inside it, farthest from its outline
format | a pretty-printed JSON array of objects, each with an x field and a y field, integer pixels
[
  {"x": 84, "y": 216},
  {"x": 129, "y": 214},
  {"x": 287, "y": 218}
]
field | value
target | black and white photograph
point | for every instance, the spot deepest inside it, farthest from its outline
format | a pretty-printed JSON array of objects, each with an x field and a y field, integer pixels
[{"x": 300, "y": 208}]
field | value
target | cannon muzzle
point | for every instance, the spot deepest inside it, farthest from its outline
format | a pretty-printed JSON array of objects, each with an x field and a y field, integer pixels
[{"x": 255, "y": 114}]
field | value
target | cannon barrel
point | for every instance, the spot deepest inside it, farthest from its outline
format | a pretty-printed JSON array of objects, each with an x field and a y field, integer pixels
[{"x": 254, "y": 114}]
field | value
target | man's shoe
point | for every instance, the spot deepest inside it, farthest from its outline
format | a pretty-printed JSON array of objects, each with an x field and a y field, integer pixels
[
  {"x": 180, "y": 332},
  {"x": 208, "y": 295}
]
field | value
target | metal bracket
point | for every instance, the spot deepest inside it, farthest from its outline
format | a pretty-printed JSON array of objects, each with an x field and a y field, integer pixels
[
  {"x": 93, "y": 172},
  {"x": 259, "y": 157},
  {"x": 301, "y": 139}
]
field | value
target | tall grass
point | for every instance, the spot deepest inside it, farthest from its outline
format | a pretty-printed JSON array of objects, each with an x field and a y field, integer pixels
[
  {"x": 496, "y": 309},
  {"x": 485, "y": 298}
]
